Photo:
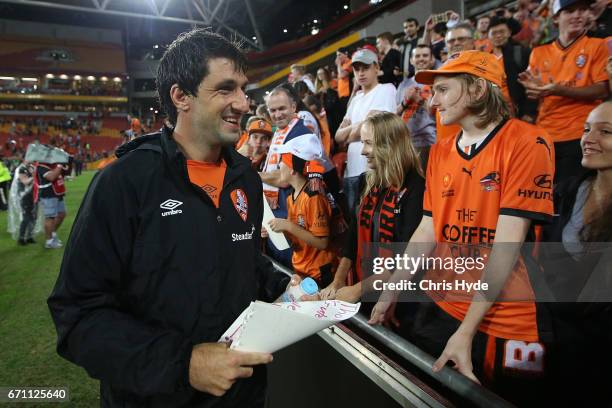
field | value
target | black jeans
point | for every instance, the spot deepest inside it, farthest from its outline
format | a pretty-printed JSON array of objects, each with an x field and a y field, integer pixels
[{"x": 28, "y": 222}]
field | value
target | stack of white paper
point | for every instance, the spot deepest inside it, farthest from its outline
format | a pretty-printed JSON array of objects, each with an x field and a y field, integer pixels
[{"x": 269, "y": 327}]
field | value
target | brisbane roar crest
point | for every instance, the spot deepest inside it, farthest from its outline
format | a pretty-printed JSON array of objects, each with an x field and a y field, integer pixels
[{"x": 241, "y": 204}]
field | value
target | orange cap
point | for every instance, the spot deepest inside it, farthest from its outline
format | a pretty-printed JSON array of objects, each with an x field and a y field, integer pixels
[
  {"x": 135, "y": 125},
  {"x": 481, "y": 64},
  {"x": 260, "y": 126}
]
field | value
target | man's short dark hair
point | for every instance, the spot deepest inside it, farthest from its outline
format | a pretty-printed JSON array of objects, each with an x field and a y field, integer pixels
[
  {"x": 386, "y": 36},
  {"x": 513, "y": 25},
  {"x": 423, "y": 46},
  {"x": 412, "y": 20},
  {"x": 185, "y": 63},
  {"x": 440, "y": 29}
]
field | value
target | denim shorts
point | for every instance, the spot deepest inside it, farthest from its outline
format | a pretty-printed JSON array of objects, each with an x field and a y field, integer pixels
[{"x": 53, "y": 206}]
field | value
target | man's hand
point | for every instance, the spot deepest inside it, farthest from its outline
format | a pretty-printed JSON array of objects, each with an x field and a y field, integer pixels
[
  {"x": 329, "y": 292},
  {"x": 410, "y": 94},
  {"x": 429, "y": 24},
  {"x": 379, "y": 312},
  {"x": 458, "y": 350},
  {"x": 535, "y": 88},
  {"x": 280, "y": 225},
  {"x": 214, "y": 368},
  {"x": 349, "y": 294}
]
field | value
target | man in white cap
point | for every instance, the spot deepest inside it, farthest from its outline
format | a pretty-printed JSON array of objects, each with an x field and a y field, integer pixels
[{"x": 371, "y": 96}]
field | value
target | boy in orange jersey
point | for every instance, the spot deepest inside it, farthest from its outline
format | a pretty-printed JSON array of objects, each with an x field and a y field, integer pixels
[
  {"x": 309, "y": 212},
  {"x": 568, "y": 78},
  {"x": 485, "y": 187}
]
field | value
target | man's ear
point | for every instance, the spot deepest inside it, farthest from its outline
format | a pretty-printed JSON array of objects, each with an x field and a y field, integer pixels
[{"x": 181, "y": 100}]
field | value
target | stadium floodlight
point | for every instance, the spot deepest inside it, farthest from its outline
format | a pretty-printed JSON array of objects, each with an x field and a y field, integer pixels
[
  {"x": 314, "y": 31},
  {"x": 91, "y": 78},
  {"x": 116, "y": 79},
  {"x": 63, "y": 76},
  {"x": 50, "y": 76},
  {"x": 103, "y": 78},
  {"x": 29, "y": 79},
  {"x": 315, "y": 21},
  {"x": 3, "y": 78},
  {"x": 346, "y": 7},
  {"x": 77, "y": 77}
]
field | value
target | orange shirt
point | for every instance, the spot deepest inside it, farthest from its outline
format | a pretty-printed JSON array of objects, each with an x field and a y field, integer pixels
[
  {"x": 344, "y": 87},
  {"x": 510, "y": 173},
  {"x": 208, "y": 176},
  {"x": 311, "y": 211},
  {"x": 581, "y": 64},
  {"x": 243, "y": 139},
  {"x": 483, "y": 45},
  {"x": 325, "y": 133}
]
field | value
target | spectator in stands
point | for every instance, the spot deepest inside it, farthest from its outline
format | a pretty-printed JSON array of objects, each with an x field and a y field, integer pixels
[
  {"x": 328, "y": 97},
  {"x": 259, "y": 132},
  {"x": 409, "y": 41},
  {"x": 467, "y": 90},
  {"x": 481, "y": 34},
  {"x": 309, "y": 214},
  {"x": 344, "y": 69},
  {"x": 460, "y": 38},
  {"x": 323, "y": 82},
  {"x": 298, "y": 73},
  {"x": 51, "y": 192},
  {"x": 370, "y": 96},
  {"x": 314, "y": 105},
  {"x": 584, "y": 207},
  {"x": 515, "y": 58},
  {"x": 391, "y": 60},
  {"x": 412, "y": 101},
  {"x": 482, "y": 27},
  {"x": 262, "y": 111},
  {"x": 283, "y": 111},
  {"x": 568, "y": 79},
  {"x": 394, "y": 177},
  {"x": 601, "y": 14}
]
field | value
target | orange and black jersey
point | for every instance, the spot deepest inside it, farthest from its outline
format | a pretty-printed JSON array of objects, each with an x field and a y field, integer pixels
[
  {"x": 580, "y": 64},
  {"x": 509, "y": 173},
  {"x": 385, "y": 215},
  {"x": 310, "y": 210}
]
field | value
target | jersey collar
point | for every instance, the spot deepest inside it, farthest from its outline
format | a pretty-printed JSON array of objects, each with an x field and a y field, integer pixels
[{"x": 484, "y": 143}]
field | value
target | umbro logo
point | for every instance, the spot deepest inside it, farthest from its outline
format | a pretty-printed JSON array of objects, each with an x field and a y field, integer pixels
[{"x": 171, "y": 205}]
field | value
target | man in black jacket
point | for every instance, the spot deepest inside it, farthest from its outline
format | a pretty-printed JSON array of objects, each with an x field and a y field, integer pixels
[
  {"x": 516, "y": 60},
  {"x": 150, "y": 279}
]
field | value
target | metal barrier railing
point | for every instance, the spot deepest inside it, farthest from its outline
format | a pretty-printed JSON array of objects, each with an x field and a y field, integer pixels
[{"x": 458, "y": 383}]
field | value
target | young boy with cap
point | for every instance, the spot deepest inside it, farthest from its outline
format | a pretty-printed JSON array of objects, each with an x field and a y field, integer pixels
[
  {"x": 309, "y": 217},
  {"x": 259, "y": 132},
  {"x": 484, "y": 188}
]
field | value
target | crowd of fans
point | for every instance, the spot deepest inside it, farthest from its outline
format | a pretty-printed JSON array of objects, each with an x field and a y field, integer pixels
[{"x": 378, "y": 117}]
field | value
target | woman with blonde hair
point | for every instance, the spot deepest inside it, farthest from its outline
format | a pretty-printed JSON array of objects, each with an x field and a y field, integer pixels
[{"x": 390, "y": 208}]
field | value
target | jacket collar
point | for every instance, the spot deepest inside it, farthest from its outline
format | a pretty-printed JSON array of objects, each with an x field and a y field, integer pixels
[{"x": 236, "y": 163}]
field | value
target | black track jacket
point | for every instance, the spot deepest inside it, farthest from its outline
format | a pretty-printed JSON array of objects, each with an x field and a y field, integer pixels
[{"x": 152, "y": 268}]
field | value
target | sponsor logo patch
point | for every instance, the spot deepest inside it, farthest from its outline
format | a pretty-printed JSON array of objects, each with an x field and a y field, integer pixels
[
  {"x": 171, "y": 206},
  {"x": 241, "y": 204}
]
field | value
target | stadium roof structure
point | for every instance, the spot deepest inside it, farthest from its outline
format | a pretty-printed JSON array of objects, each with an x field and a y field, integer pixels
[{"x": 257, "y": 23}]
